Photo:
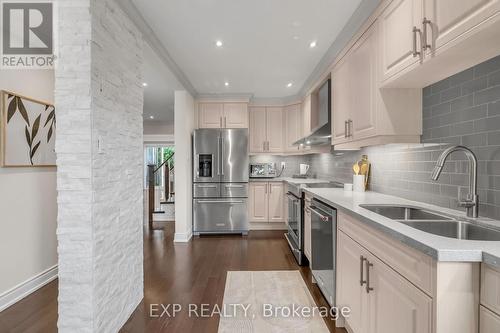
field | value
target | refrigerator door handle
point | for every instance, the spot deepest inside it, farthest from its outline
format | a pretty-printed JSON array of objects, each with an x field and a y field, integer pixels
[
  {"x": 218, "y": 156},
  {"x": 222, "y": 156},
  {"x": 221, "y": 202}
]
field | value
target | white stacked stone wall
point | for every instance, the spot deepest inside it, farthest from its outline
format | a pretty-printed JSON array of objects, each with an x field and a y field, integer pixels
[{"x": 99, "y": 157}]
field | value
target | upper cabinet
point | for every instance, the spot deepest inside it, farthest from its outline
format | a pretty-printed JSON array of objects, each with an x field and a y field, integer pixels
[
  {"x": 424, "y": 41},
  {"x": 362, "y": 113},
  {"x": 266, "y": 129},
  {"x": 294, "y": 129},
  {"x": 399, "y": 38},
  {"x": 223, "y": 115},
  {"x": 307, "y": 115}
]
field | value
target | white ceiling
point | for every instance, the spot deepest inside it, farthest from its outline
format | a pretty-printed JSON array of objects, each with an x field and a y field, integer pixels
[
  {"x": 265, "y": 44},
  {"x": 159, "y": 93}
]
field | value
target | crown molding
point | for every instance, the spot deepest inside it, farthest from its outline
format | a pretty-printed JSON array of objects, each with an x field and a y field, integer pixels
[
  {"x": 235, "y": 98},
  {"x": 358, "y": 18},
  {"x": 276, "y": 101},
  {"x": 150, "y": 37}
]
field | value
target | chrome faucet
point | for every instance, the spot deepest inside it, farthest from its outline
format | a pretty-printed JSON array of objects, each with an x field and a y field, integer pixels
[{"x": 471, "y": 203}]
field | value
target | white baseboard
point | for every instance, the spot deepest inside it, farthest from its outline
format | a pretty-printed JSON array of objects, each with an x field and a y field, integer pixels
[
  {"x": 27, "y": 287},
  {"x": 182, "y": 237},
  {"x": 267, "y": 226}
]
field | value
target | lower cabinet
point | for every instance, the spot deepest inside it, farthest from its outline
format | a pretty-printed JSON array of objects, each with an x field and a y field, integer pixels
[
  {"x": 380, "y": 299},
  {"x": 266, "y": 202},
  {"x": 489, "y": 322}
]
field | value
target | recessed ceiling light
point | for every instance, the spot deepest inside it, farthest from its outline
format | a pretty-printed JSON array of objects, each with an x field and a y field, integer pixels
[
  {"x": 144, "y": 84},
  {"x": 296, "y": 37},
  {"x": 289, "y": 84},
  {"x": 313, "y": 44},
  {"x": 151, "y": 117},
  {"x": 218, "y": 43},
  {"x": 226, "y": 83},
  {"x": 308, "y": 142}
]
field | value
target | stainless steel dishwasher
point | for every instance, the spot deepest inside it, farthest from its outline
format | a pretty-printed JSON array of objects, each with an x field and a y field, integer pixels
[{"x": 324, "y": 234}]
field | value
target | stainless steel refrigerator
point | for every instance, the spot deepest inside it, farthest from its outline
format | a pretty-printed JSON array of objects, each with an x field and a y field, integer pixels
[{"x": 220, "y": 181}]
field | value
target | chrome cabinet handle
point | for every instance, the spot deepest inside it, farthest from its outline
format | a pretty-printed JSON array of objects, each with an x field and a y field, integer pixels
[
  {"x": 368, "y": 288},
  {"x": 425, "y": 45},
  {"x": 225, "y": 123},
  {"x": 234, "y": 186},
  {"x": 345, "y": 129},
  {"x": 415, "y": 31},
  {"x": 206, "y": 186},
  {"x": 270, "y": 188},
  {"x": 349, "y": 128},
  {"x": 361, "y": 266},
  {"x": 220, "y": 122},
  {"x": 263, "y": 145}
]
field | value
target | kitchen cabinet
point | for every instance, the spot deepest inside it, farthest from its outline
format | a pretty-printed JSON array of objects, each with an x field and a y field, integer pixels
[
  {"x": 400, "y": 43},
  {"x": 451, "y": 19},
  {"x": 307, "y": 115},
  {"x": 276, "y": 202},
  {"x": 381, "y": 301},
  {"x": 489, "y": 322},
  {"x": 307, "y": 228},
  {"x": 222, "y": 115},
  {"x": 293, "y": 124},
  {"x": 266, "y": 129},
  {"x": 266, "y": 202},
  {"x": 258, "y": 202},
  {"x": 353, "y": 91},
  {"x": 425, "y": 41},
  {"x": 362, "y": 113}
]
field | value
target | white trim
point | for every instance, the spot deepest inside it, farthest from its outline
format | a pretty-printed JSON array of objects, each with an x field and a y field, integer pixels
[
  {"x": 27, "y": 287},
  {"x": 228, "y": 98},
  {"x": 182, "y": 237}
]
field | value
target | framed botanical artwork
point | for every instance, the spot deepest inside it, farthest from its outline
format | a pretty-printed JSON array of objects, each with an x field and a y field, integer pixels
[{"x": 28, "y": 129}]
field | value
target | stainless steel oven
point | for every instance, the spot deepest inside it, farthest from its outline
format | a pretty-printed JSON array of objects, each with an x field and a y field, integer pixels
[{"x": 295, "y": 226}]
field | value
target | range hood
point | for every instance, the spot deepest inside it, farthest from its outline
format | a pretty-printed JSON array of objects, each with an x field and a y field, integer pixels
[{"x": 322, "y": 133}]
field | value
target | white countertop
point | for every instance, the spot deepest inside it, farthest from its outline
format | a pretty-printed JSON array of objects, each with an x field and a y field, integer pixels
[
  {"x": 290, "y": 180},
  {"x": 438, "y": 247}
]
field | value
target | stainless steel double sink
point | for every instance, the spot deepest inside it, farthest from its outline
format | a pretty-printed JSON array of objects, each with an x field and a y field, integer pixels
[{"x": 436, "y": 223}]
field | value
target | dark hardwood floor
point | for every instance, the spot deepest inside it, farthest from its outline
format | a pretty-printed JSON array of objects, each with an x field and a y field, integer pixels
[{"x": 181, "y": 273}]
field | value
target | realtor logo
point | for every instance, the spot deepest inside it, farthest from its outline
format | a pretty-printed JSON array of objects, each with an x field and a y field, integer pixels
[{"x": 27, "y": 35}]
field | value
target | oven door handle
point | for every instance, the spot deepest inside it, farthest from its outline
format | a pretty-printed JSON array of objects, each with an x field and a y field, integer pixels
[
  {"x": 323, "y": 218},
  {"x": 290, "y": 244}
]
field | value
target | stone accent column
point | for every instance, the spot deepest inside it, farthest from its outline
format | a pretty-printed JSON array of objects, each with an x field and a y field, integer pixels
[{"x": 99, "y": 145}]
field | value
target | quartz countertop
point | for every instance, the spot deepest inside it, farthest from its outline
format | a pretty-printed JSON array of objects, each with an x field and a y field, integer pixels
[
  {"x": 290, "y": 180},
  {"x": 438, "y": 247}
]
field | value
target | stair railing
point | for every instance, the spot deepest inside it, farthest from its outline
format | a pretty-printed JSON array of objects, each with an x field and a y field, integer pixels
[{"x": 152, "y": 170}]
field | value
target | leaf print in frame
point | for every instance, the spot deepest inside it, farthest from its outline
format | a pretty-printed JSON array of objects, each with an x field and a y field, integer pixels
[{"x": 28, "y": 128}]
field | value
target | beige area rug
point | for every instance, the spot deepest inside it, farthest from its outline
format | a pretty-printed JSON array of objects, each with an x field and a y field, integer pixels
[{"x": 264, "y": 302}]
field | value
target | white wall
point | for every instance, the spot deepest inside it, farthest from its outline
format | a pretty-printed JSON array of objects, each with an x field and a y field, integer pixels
[
  {"x": 158, "y": 128},
  {"x": 28, "y": 209},
  {"x": 184, "y": 126}
]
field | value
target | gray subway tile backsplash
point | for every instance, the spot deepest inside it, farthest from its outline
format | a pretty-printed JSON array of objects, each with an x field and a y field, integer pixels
[{"x": 462, "y": 109}]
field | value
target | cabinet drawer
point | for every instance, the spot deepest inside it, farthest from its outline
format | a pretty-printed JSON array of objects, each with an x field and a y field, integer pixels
[
  {"x": 490, "y": 287},
  {"x": 206, "y": 190},
  {"x": 489, "y": 322},
  {"x": 234, "y": 190},
  {"x": 413, "y": 265}
]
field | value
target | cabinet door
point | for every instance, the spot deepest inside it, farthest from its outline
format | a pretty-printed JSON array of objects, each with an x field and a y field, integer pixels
[
  {"x": 257, "y": 129},
  {"x": 307, "y": 228},
  {"x": 396, "y": 25},
  {"x": 210, "y": 115},
  {"x": 274, "y": 131},
  {"x": 489, "y": 322},
  {"x": 276, "y": 202},
  {"x": 306, "y": 115},
  {"x": 258, "y": 202},
  {"x": 341, "y": 96},
  {"x": 293, "y": 124},
  {"x": 350, "y": 293},
  {"x": 451, "y": 18},
  {"x": 235, "y": 115},
  {"x": 363, "y": 78},
  {"x": 396, "y": 305}
]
